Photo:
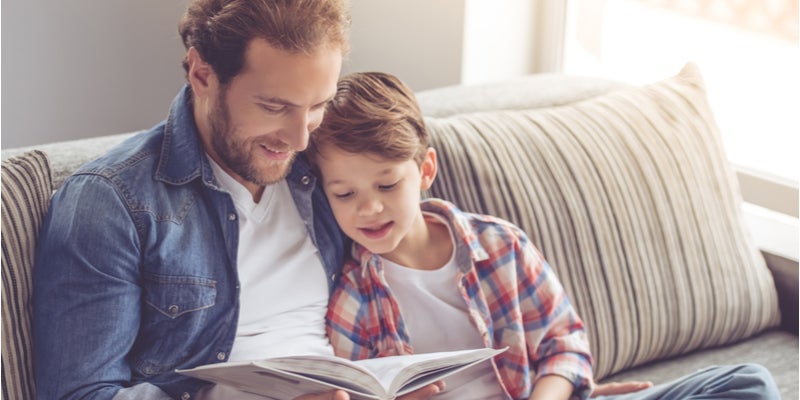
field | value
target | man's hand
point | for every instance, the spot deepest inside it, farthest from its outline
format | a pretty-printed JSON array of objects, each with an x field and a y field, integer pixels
[
  {"x": 424, "y": 393},
  {"x": 614, "y": 388}
]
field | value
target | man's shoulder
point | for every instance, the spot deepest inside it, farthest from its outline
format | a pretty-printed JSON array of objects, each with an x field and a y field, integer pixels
[{"x": 139, "y": 151}]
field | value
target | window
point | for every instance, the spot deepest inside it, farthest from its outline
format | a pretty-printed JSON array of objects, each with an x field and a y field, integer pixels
[
  {"x": 747, "y": 50},
  {"x": 749, "y": 54}
]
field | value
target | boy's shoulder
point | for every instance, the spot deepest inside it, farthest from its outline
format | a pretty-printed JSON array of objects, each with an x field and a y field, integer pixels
[{"x": 468, "y": 223}]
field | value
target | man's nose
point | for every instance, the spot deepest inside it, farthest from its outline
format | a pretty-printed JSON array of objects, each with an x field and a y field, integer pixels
[{"x": 296, "y": 131}]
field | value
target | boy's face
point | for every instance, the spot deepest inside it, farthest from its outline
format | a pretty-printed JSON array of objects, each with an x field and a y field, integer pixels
[{"x": 374, "y": 200}]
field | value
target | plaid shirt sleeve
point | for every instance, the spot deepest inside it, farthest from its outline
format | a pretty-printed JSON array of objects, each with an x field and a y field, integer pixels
[
  {"x": 343, "y": 324},
  {"x": 530, "y": 312},
  {"x": 362, "y": 320},
  {"x": 555, "y": 333}
]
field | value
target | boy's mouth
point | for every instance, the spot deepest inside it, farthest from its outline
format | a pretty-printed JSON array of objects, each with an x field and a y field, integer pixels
[{"x": 377, "y": 231}]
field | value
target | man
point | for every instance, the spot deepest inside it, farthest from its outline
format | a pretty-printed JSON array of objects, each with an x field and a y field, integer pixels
[
  {"x": 175, "y": 249},
  {"x": 202, "y": 240}
]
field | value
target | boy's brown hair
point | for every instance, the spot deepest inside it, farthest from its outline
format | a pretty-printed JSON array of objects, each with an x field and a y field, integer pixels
[
  {"x": 372, "y": 113},
  {"x": 220, "y": 30}
]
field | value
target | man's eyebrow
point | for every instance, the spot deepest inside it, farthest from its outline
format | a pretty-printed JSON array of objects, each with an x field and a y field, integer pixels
[
  {"x": 285, "y": 102},
  {"x": 274, "y": 100}
]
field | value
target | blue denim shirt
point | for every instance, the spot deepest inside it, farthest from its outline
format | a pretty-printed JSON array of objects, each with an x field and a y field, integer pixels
[{"x": 135, "y": 272}]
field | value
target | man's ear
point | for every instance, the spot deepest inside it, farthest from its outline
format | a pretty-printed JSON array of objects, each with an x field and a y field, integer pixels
[
  {"x": 201, "y": 76},
  {"x": 428, "y": 169}
]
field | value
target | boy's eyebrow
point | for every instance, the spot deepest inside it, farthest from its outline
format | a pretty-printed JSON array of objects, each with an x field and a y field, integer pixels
[{"x": 386, "y": 171}]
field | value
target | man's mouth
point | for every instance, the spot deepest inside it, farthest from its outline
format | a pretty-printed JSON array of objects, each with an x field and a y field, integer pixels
[{"x": 274, "y": 153}]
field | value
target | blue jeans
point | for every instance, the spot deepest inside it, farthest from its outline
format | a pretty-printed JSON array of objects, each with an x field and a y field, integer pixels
[{"x": 735, "y": 382}]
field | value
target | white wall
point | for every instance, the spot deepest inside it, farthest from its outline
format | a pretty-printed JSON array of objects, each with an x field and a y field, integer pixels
[
  {"x": 84, "y": 68},
  {"x": 420, "y": 41}
]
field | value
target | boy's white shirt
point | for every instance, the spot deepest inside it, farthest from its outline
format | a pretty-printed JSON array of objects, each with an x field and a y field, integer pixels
[
  {"x": 438, "y": 320},
  {"x": 275, "y": 319}
]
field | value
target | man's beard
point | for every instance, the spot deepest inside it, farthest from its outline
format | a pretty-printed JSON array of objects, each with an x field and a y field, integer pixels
[{"x": 237, "y": 155}]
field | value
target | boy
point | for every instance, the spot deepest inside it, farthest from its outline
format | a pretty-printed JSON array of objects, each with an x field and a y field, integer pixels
[
  {"x": 375, "y": 160},
  {"x": 426, "y": 276}
]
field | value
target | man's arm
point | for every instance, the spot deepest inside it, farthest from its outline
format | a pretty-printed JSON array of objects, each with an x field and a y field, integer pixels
[{"x": 86, "y": 297}]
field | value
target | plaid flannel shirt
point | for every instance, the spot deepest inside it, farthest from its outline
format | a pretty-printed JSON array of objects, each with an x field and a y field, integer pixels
[{"x": 512, "y": 295}]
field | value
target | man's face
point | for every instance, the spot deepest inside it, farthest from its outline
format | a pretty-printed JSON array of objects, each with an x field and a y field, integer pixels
[{"x": 260, "y": 120}]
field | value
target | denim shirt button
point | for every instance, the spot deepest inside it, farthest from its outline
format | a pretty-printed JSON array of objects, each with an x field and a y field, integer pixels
[
  {"x": 305, "y": 179},
  {"x": 173, "y": 310},
  {"x": 221, "y": 356},
  {"x": 186, "y": 396},
  {"x": 232, "y": 217}
]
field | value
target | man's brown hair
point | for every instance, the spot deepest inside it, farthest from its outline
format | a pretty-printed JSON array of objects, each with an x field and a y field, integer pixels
[
  {"x": 373, "y": 113},
  {"x": 220, "y": 30}
]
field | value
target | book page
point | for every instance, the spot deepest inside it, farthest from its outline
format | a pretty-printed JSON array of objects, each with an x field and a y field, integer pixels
[
  {"x": 264, "y": 380},
  {"x": 335, "y": 370},
  {"x": 396, "y": 372},
  {"x": 379, "y": 378}
]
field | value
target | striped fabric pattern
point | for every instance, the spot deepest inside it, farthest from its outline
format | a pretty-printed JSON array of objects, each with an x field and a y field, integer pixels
[
  {"x": 630, "y": 198},
  {"x": 26, "y": 194}
]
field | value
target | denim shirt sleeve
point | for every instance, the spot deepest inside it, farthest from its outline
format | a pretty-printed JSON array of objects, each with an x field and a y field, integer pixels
[{"x": 85, "y": 282}]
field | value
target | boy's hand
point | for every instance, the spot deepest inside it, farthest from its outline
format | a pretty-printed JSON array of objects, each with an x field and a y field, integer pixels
[
  {"x": 332, "y": 395},
  {"x": 423, "y": 393},
  {"x": 615, "y": 388}
]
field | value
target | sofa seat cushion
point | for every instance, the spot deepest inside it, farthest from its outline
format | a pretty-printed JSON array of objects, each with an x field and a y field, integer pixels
[
  {"x": 780, "y": 343},
  {"x": 631, "y": 199},
  {"x": 27, "y": 186}
]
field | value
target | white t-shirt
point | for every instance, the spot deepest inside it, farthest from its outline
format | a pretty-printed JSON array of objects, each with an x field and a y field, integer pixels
[
  {"x": 438, "y": 320},
  {"x": 284, "y": 288}
]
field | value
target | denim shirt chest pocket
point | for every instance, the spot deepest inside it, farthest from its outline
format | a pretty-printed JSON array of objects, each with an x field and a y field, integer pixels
[
  {"x": 174, "y": 296},
  {"x": 176, "y": 309}
]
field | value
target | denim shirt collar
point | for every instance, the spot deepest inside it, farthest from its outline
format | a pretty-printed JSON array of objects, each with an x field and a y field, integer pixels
[{"x": 182, "y": 155}]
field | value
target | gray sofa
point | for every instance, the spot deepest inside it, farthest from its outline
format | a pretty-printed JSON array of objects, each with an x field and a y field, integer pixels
[{"x": 625, "y": 190}]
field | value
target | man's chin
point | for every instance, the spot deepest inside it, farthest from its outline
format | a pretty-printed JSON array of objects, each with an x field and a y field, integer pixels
[{"x": 275, "y": 171}]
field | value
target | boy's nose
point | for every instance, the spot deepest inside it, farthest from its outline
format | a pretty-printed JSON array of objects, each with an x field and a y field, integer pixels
[{"x": 370, "y": 207}]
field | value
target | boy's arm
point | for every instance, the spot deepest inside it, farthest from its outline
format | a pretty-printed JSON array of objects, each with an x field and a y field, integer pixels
[
  {"x": 552, "y": 387},
  {"x": 344, "y": 319},
  {"x": 558, "y": 346}
]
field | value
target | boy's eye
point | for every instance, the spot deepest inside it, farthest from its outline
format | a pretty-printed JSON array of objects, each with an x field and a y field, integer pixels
[
  {"x": 387, "y": 187},
  {"x": 342, "y": 195}
]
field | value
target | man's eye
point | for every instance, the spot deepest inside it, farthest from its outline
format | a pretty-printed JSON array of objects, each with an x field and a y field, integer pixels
[{"x": 272, "y": 108}]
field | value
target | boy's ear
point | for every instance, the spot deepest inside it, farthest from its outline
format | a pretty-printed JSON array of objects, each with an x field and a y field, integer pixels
[
  {"x": 201, "y": 76},
  {"x": 428, "y": 169}
]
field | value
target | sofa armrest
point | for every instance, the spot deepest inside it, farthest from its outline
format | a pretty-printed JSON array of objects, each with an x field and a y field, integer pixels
[{"x": 785, "y": 273}]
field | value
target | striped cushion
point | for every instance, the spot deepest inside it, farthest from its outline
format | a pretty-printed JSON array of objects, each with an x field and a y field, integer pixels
[
  {"x": 26, "y": 194},
  {"x": 631, "y": 199}
]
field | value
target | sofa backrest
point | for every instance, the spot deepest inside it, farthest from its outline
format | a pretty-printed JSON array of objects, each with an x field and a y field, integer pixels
[
  {"x": 631, "y": 199},
  {"x": 26, "y": 190},
  {"x": 65, "y": 157}
]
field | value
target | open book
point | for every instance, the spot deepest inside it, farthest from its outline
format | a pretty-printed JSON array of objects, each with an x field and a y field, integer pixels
[{"x": 378, "y": 378}]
